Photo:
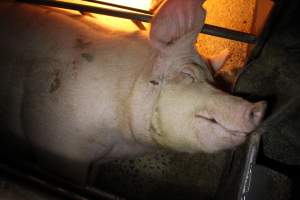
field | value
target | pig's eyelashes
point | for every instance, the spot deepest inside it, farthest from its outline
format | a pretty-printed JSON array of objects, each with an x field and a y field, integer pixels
[{"x": 189, "y": 73}]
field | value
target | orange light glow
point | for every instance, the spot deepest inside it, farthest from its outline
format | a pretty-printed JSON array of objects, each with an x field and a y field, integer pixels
[
  {"x": 141, "y": 4},
  {"x": 113, "y": 22}
]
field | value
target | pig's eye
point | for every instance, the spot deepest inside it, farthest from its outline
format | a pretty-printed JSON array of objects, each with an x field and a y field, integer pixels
[{"x": 188, "y": 74}]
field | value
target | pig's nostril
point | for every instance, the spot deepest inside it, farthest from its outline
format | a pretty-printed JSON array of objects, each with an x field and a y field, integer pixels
[
  {"x": 255, "y": 116},
  {"x": 257, "y": 112},
  {"x": 213, "y": 120}
]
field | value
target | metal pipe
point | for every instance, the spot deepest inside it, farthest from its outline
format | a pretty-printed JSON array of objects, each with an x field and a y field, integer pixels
[
  {"x": 207, "y": 28},
  {"x": 228, "y": 34}
]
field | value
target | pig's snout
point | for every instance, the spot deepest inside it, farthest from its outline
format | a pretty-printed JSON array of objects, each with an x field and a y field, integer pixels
[
  {"x": 241, "y": 116},
  {"x": 255, "y": 114}
]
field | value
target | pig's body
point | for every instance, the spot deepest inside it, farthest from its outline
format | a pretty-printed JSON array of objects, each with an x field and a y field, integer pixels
[
  {"x": 66, "y": 86},
  {"x": 78, "y": 92}
]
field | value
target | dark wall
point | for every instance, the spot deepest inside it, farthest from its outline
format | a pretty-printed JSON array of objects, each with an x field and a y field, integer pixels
[{"x": 275, "y": 76}]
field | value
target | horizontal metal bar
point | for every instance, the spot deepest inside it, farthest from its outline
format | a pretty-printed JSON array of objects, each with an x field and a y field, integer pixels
[
  {"x": 207, "y": 29},
  {"x": 228, "y": 33}
]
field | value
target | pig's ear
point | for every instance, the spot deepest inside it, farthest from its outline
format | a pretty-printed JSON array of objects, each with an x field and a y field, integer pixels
[
  {"x": 174, "y": 19},
  {"x": 218, "y": 60}
]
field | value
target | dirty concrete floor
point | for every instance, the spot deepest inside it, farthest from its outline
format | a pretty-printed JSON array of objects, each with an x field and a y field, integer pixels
[{"x": 164, "y": 175}]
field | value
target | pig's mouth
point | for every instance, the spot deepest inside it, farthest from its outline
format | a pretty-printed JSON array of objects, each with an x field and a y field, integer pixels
[
  {"x": 217, "y": 135},
  {"x": 213, "y": 121}
]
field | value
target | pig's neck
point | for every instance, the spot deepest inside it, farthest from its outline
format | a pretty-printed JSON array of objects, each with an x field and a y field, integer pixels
[
  {"x": 146, "y": 91},
  {"x": 142, "y": 103}
]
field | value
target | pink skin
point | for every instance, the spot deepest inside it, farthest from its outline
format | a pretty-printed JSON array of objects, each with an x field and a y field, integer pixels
[
  {"x": 174, "y": 19},
  {"x": 231, "y": 120},
  {"x": 192, "y": 115},
  {"x": 237, "y": 114}
]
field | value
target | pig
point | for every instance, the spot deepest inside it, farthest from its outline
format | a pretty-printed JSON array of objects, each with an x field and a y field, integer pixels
[{"x": 79, "y": 92}]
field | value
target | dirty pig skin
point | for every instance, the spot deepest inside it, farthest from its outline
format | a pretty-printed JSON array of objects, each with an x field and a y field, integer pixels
[{"x": 79, "y": 92}]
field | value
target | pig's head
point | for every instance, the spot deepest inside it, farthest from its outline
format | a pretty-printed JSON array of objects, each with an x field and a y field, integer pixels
[{"x": 189, "y": 113}]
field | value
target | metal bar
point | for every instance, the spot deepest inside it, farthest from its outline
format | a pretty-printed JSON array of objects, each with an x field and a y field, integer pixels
[
  {"x": 207, "y": 29},
  {"x": 228, "y": 34},
  {"x": 251, "y": 156},
  {"x": 120, "y": 6}
]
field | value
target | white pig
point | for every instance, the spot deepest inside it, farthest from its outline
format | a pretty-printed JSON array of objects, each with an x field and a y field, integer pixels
[{"x": 79, "y": 92}]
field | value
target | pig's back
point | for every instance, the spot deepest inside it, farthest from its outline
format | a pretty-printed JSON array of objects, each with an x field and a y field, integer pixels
[{"x": 62, "y": 55}]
